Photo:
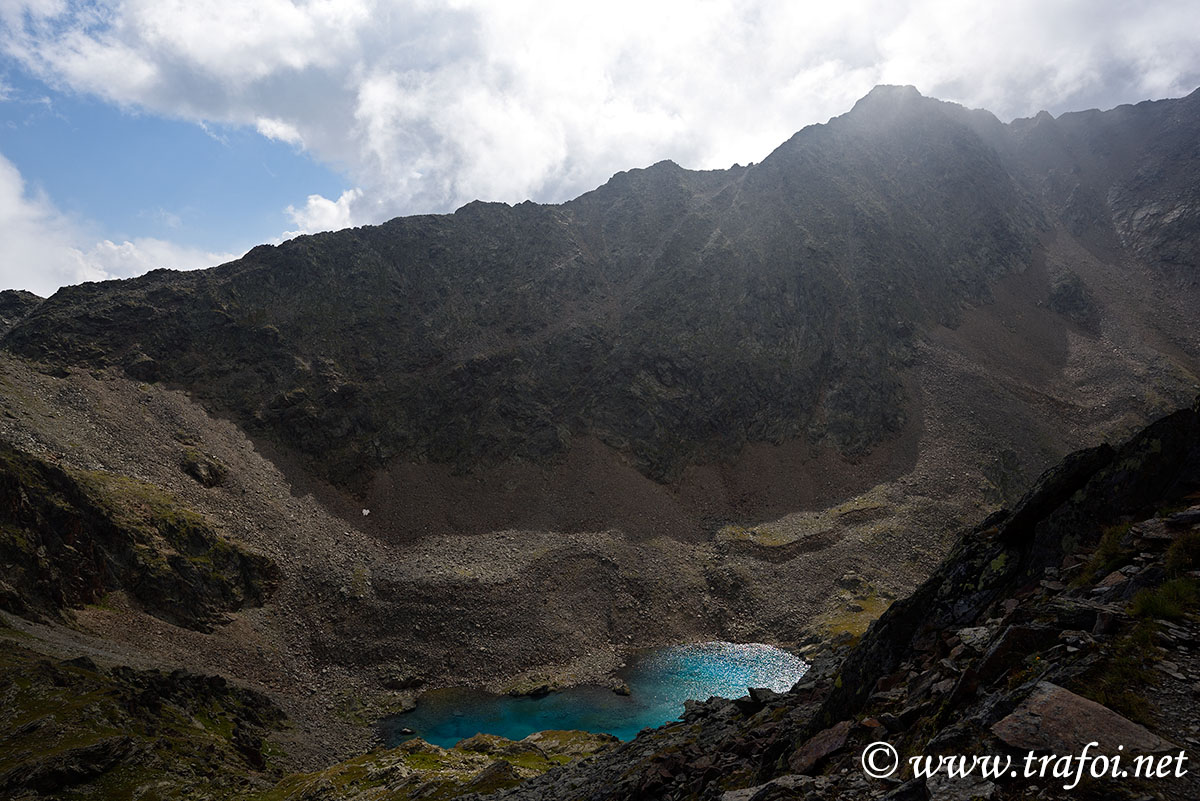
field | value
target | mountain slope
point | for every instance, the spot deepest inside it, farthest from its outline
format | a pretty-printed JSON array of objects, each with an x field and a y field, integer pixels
[
  {"x": 503, "y": 447},
  {"x": 674, "y": 315}
]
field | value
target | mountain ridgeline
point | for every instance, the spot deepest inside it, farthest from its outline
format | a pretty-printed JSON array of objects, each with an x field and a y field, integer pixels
[{"x": 673, "y": 315}]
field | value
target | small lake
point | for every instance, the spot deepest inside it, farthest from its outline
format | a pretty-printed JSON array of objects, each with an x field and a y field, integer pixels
[{"x": 659, "y": 681}]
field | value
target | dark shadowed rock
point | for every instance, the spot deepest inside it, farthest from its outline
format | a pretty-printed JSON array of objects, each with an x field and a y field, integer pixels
[
  {"x": 819, "y": 746},
  {"x": 71, "y": 767},
  {"x": 495, "y": 776},
  {"x": 15, "y": 304}
]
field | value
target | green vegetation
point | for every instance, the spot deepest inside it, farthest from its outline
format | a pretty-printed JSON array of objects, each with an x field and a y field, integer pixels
[
  {"x": 143, "y": 507},
  {"x": 1184, "y": 554},
  {"x": 873, "y": 514},
  {"x": 995, "y": 568},
  {"x": 80, "y": 732},
  {"x": 1124, "y": 677},
  {"x": 416, "y": 769},
  {"x": 1171, "y": 600},
  {"x": 1108, "y": 556},
  {"x": 850, "y": 624}
]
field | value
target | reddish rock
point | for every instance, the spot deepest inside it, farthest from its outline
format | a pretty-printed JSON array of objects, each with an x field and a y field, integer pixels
[
  {"x": 1057, "y": 720},
  {"x": 891, "y": 682},
  {"x": 819, "y": 746},
  {"x": 1113, "y": 579}
]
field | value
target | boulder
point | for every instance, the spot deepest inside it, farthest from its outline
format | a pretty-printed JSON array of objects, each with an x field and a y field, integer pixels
[
  {"x": 819, "y": 746},
  {"x": 497, "y": 775},
  {"x": 975, "y": 637},
  {"x": 971, "y": 788},
  {"x": 783, "y": 787},
  {"x": 1059, "y": 721},
  {"x": 762, "y": 695},
  {"x": 1185, "y": 519}
]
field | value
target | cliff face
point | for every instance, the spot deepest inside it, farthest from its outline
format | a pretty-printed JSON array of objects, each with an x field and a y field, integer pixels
[{"x": 674, "y": 315}]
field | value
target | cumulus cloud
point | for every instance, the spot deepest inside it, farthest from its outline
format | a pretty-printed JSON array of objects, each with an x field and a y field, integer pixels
[
  {"x": 42, "y": 249},
  {"x": 108, "y": 259},
  {"x": 424, "y": 106},
  {"x": 322, "y": 214}
]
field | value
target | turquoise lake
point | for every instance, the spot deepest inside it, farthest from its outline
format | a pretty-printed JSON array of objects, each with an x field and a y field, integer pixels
[{"x": 659, "y": 682}]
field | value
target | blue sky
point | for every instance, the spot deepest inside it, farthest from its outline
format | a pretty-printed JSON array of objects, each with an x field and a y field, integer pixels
[
  {"x": 137, "y": 134},
  {"x": 136, "y": 174}
]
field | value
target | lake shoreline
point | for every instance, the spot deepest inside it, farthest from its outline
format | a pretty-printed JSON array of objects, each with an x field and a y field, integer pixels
[{"x": 649, "y": 689}]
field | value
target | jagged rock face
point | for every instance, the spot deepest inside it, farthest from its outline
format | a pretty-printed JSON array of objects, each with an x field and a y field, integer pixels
[
  {"x": 14, "y": 305},
  {"x": 675, "y": 315},
  {"x": 69, "y": 537}
]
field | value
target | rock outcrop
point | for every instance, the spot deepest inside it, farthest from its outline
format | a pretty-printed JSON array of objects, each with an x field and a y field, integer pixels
[
  {"x": 74, "y": 730},
  {"x": 69, "y": 537}
]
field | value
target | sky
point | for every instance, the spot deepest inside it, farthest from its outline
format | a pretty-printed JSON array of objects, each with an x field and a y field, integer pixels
[{"x": 139, "y": 134}]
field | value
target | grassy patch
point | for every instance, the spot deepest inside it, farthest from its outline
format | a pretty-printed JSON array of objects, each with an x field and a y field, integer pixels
[
  {"x": 1122, "y": 680},
  {"x": 854, "y": 621},
  {"x": 1184, "y": 554},
  {"x": 418, "y": 770},
  {"x": 1108, "y": 556},
  {"x": 136, "y": 504},
  {"x": 1171, "y": 600}
]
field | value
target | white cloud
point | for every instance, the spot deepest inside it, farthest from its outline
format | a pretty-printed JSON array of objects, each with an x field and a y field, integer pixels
[
  {"x": 322, "y": 214},
  {"x": 279, "y": 130},
  {"x": 110, "y": 259},
  {"x": 42, "y": 249},
  {"x": 426, "y": 105}
]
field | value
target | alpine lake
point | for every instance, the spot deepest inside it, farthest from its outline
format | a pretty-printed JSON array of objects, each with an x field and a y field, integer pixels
[{"x": 659, "y": 682}]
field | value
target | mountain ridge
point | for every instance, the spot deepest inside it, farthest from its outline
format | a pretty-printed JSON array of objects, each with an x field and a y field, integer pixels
[{"x": 887, "y": 231}]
